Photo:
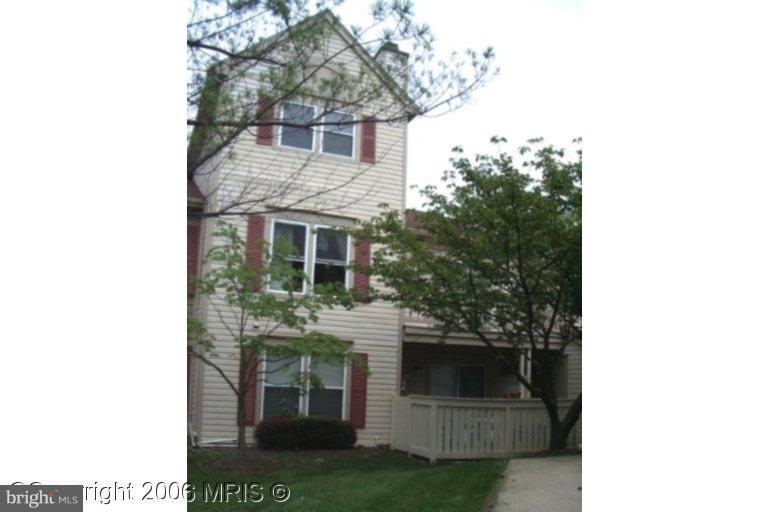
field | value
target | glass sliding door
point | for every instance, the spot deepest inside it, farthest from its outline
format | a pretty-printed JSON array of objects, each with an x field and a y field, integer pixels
[
  {"x": 471, "y": 381},
  {"x": 442, "y": 379},
  {"x": 456, "y": 381}
]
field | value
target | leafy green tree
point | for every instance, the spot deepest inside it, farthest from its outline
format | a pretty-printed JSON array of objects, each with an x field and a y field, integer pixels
[
  {"x": 242, "y": 51},
  {"x": 252, "y": 316},
  {"x": 498, "y": 255}
]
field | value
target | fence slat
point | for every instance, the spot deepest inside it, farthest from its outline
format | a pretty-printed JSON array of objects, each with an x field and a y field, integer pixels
[{"x": 451, "y": 428}]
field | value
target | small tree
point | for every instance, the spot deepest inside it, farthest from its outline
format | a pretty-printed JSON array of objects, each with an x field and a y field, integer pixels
[
  {"x": 498, "y": 256},
  {"x": 252, "y": 316}
]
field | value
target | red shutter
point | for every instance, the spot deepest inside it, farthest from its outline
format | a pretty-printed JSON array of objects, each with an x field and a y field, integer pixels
[
  {"x": 264, "y": 133},
  {"x": 193, "y": 245},
  {"x": 358, "y": 393},
  {"x": 363, "y": 259},
  {"x": 368, "y": 147},
  {"x": 250, "y": 394},
  {"x": 254, "y": 243}
]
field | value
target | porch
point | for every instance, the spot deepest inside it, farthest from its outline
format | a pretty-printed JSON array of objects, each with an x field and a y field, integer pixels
[
  {"x": 458, "y": 401},
  {"x": 467, "y": 428},
  {"x": 464, "y": 368}
]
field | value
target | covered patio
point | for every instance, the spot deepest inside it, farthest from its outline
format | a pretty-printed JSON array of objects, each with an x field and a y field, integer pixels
[
  {"x": 457, "y": 400},
  {"x": 468, "y": 370}
]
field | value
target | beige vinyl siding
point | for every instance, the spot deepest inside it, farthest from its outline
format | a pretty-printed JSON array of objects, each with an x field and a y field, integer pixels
[
  {"x": 573, "y": 354},
  {"x": 349, "y": 188}
]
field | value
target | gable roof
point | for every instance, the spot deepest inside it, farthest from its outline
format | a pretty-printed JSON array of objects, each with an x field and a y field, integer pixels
[
  {"x": 194, "y": 147},
  {"x": 326, "y": 15}
]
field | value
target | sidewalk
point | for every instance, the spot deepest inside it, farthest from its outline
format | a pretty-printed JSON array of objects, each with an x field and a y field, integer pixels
[{"x": 541, "y": 484}]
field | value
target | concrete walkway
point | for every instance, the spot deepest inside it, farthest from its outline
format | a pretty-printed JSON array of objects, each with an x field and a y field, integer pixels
[{"x": 541, "y": 484}]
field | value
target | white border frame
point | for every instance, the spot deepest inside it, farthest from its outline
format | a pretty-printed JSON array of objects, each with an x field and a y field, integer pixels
[
  {"x": 354, "y": 135},
  {"x": 306, "y": 253},
  {"x": 312, "y": 129},
  {"x": 347, "y": 270}
]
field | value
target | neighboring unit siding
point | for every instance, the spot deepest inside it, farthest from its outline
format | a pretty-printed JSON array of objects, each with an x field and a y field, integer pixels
[
  {"x": 348, "y": 188},
  {"x": 573, "y": 354}
]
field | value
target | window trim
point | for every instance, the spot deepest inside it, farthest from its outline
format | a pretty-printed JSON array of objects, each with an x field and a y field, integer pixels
[
  {"x": 343, "y": 389},
  {"x": 312, "y": 129},
  {"x": 307, "y": 228},
  {"x": 347, "y": 270},
  {"x": 354, "y": 134}
]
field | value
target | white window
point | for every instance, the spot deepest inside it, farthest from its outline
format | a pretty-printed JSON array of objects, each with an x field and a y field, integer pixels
[
  {"x": 331, "y": 256},
  {"x": 281, "y": 393},
  {"x": 330, "y": 400},
  {"x": 338, "y": 137},
  {"x": 294, "y": 236},
  {"x": 297, "y": 136}
]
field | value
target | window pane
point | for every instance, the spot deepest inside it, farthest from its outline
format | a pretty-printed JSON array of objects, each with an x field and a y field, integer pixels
[
  {"x": 471, "y": 382},
  {"x": 337, "y": 144},
  {"x": 276, "y": 283},
  {"x": 295, "y": 234},
  {"x": 297, "y": 137},
  {"x": 442, "y": 380},
  {"x": 281, "y": 370},
  {"x": 281, "y": 402},
  {"x": 326, "y": 403},
  {"x": 331, "y": 245},
  {"x": 332, "y": 375},
  {"x": 328, "y": 274},
  {"x": 338, "y": 117}
]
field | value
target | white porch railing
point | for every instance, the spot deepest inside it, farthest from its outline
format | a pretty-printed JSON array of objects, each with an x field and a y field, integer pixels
[{"x": 470, "y": 428}]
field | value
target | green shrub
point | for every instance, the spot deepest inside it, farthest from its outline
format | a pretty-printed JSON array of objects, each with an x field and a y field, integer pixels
[{"x": 305, "y": 433}]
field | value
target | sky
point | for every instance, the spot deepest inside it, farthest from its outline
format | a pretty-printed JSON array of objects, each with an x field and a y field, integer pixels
[{"x": 536, "y": 94}]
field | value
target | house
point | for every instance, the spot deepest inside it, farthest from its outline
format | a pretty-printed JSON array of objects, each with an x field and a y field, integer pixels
[{"x": 347, "y": 171}]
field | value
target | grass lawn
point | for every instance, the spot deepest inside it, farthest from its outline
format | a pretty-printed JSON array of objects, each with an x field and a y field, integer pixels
[{"x": 359, "y": 479}]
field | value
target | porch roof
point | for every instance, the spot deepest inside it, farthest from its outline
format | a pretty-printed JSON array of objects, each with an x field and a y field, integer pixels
[{"x": 414, "y": 332}]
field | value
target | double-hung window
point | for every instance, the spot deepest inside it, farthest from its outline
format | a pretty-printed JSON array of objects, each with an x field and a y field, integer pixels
[
  {"x": 283, "y": 382},
  {"x": 338, "y": 134},
  {"x": 328, "y": 256},
  {"x": 282, "y": 394},
  {"x": 297, "y": 136},
  {"x": 292, "y": 238},
  {"x": 331, "y": 256}
]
